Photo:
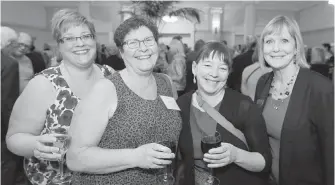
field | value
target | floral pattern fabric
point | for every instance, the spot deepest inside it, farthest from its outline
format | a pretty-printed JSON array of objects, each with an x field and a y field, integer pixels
[{"x": 58, "y": 119}]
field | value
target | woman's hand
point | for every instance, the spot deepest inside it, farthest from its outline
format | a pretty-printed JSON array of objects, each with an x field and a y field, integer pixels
[
  {"x": 153, "y": 155},
  {"x": 221, "y": 156},
  {"x": 44, "y": 152}
]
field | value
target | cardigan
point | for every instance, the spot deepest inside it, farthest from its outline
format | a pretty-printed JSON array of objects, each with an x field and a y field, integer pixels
[
  {"x": 307, "y": 136},
  {"x": 245, "y": 116}
]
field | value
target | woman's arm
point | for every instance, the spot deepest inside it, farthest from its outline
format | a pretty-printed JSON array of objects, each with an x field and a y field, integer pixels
[
  {"x": 28, "y": 116},
  {"x": 259, "y": 158},
  {"x": 87, "y": 127}
]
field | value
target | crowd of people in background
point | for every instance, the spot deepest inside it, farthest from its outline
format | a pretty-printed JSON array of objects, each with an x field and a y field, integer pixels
[{"x": 277, "y": 91}]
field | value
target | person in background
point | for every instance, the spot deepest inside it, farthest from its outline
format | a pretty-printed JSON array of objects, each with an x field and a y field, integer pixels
[
  {"x": 240, "y": 62},
  {"x": 46, "y": 105},
  {"x": 36, "y": 59},
  {"x": 298, "y": 108},
  {"x": 116, "y": 129},
  {"x": 26, "y": 70},
  {"x": 177, "y": 65},
  {"x": 161, "y": 64},
  {"x": 233, "y": 161},
  {"x": 9, "y": 93},
  {"x": 318, "y": 62},
  {"x": 251, "y": 74},
  {"x": 190, "y": 58}
]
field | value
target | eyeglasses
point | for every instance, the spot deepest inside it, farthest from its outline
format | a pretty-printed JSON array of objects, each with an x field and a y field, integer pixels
[
  {"x": 134, "y": 43},
  {"x": 72, "y": 40},
  {"x": 25, "y": 46}
]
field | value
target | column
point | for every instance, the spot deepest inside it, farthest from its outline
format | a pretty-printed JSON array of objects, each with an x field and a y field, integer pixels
[
  {"x": 216, "y": 22},
  {"x": 249, "y": 20}
]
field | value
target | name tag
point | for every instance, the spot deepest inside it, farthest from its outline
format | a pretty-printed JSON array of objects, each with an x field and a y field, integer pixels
[{"x": 170, "y": 102}]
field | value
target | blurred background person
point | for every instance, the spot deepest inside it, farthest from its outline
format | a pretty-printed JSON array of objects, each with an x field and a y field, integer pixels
[
  {"x": 36, "y": 58},
  {"x": 54, "y": 94},
  {"x": 240, "y": 62},
  {"x": 116, "y": 129},
  {"x": 251, "y": 74},
  {"x": 190, "y": 58},
  {"x": 318, "y": 62},
  {"x": 298, "y": 108},
  {"x": 26, "y": 70},
  {"x": 177, "y": 65},
  {"x": 10, "y": 90}
]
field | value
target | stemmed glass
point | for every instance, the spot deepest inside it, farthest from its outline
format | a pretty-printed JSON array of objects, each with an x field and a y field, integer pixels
[
  {"x": 209, "y": 141},
  {"x": 63, "y": 143},
  {"x": 167, "y": 177}
]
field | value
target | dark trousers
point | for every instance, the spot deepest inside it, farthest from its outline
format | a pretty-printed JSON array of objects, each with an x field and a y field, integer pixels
[{"x": 11, "y": 167}]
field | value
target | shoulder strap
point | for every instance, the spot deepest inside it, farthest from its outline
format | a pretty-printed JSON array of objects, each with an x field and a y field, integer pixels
[{"x": 220, "y": 119}]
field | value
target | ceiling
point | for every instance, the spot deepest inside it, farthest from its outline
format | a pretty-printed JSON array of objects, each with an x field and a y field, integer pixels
[{"x": 260, "y": 4}]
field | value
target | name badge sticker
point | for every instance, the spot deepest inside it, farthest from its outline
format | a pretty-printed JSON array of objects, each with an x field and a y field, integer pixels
[{"x": 170, "y": 102}]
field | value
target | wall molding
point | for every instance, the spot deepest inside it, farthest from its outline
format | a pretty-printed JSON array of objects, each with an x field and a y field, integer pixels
[
  {"x": 21, "y": 26},
  {"x": 319, "y": 29}
]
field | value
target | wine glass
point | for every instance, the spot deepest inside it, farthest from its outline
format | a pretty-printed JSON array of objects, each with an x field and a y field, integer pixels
[
  {"x": 209, "y": 141},
  {"x": 62, "y": 142},
  {"x": 167, "y": 177}
]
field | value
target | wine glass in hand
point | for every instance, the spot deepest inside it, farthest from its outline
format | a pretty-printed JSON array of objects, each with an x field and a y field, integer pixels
[
  {"x": 62, "y": 142},
  {"x": 167, "y": 177},
  {"x": 209, "y": 141}
]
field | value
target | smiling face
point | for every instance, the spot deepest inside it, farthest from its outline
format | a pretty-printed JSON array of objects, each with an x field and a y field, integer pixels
[
  {"x": 211, "y": 74},
  {"x": 143, "y": 58},
  {"x": 279, "y": 49},
  {"x": 80, "y": 53}
]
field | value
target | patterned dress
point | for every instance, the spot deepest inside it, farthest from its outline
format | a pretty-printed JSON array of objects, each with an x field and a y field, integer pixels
[
  {"x": 136, "y": 122},
  {"x": 58, "y": 119}
]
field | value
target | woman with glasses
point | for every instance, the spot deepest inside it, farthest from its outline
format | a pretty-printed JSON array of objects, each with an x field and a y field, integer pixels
[
  {"x": 47, "y": 103},
  {"x": 115, "y": 130}
]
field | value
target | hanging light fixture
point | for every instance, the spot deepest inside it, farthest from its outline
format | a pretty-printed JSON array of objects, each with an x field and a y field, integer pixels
[{"x": 170, "y": 19}]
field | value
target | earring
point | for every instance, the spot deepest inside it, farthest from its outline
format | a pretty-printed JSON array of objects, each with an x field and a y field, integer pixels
[{"x": 194, "y": 80}]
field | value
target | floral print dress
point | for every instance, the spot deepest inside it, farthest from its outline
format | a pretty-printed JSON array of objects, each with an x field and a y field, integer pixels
[{"x": 58, "y": 119}]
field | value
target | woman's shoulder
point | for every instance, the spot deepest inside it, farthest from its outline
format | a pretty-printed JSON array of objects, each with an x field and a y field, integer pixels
[{"x": 317, "y": 81}]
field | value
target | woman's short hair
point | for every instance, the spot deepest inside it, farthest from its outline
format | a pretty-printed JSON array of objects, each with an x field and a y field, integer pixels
[
  {"x": 212, "y": 49},
  {"x": 130, "y": 24},
  {"x": 275, "y": 26},
  {"x": 64, "y": 19}
]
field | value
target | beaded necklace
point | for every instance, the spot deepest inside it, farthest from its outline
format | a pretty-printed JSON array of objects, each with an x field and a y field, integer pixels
[{"x": 280, "y": 95}]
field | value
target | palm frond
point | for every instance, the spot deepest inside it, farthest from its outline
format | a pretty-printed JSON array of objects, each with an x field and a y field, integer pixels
[{"x": 187, "y": 13}]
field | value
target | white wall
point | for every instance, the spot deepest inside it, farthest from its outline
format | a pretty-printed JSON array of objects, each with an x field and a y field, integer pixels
[{"x": 317, "y": 24}]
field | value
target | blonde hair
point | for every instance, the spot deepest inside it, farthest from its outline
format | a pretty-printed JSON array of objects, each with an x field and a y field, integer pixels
[
  {"x": 64, "y": 19},
  {"x": 276, "y": 26}
]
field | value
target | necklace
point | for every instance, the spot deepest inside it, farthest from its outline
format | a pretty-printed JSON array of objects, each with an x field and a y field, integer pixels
[
  {"x": 279, "y": 94},
  {"x": 282, "y": 93}
]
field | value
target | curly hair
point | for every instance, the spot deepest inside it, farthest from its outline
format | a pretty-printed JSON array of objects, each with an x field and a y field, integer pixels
[{"x": 131, "y": 24}]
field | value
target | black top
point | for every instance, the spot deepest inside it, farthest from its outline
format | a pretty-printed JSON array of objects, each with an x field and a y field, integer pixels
[
  {"x": 307, "y": 137},
  {"x": 240, "y": 62},
  {"x": 115, "y": 62},
  {"x": 245, "y": 116},
  {"x": 9, "y": 89},
  {"x": 37, "y": 61}
]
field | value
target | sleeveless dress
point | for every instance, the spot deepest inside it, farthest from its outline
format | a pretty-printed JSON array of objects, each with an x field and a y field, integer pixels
[
  {"x": 58, "y": 118},
  {"x": 136, "y": 122}
]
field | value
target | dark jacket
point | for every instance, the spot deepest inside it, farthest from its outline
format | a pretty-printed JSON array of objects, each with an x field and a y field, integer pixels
[
  {"x": 9, "y": 90},
  {"x": 244, "y": 114},
  {"x": 240, "y": 62},
  {"x": 307, "y": 136},
  {"x": 37, "y": 61}
]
